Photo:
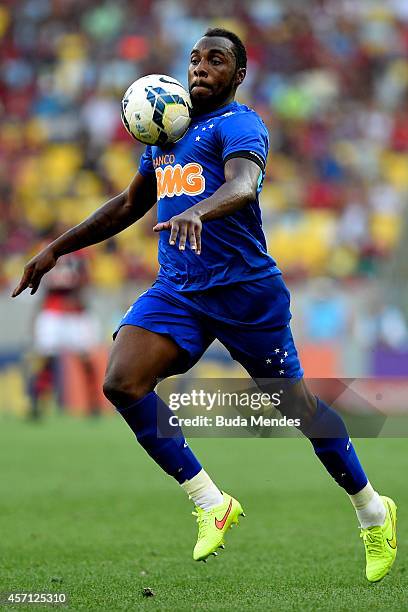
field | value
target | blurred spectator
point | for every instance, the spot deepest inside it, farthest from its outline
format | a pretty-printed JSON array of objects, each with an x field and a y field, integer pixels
[
  {"x": 325, "y": 313},
  {"x": 64, "y": 326},
  {"x": 383, "y": 325}
]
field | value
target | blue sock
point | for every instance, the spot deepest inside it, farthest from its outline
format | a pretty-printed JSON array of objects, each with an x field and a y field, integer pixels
[
  {"x": 149, "y": 417},
  {"x": 332, "y": 445}
]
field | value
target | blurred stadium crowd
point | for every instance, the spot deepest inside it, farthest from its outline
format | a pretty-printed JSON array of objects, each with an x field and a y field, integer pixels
[
  {"x": 330, "y": 79},
  {"x": 331, "y": 82}
]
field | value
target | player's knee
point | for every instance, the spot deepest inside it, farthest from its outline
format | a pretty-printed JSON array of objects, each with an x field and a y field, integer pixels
[{"x": 124, "y": 390}]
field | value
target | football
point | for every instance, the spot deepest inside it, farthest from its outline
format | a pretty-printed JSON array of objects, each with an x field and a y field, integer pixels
[{"x": 156, "y": 110}]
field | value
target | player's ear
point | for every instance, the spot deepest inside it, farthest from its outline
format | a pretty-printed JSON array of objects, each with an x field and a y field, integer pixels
[{"x": 240, "y": 76}]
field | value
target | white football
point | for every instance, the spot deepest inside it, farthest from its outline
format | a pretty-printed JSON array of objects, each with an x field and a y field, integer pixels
[{"x": 156, "y": 110}]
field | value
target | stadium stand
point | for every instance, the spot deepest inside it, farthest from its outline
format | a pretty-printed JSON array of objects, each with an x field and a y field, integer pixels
[{"x": 330, "y": 82}]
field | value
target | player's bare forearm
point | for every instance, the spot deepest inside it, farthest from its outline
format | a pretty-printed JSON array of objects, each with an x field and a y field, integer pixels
[
  {"x": 231, "y": 196},
  {"x": 111, "y": 218},
  {"x": 107, "y": 221},
  {"x": 239, "y": 189}
]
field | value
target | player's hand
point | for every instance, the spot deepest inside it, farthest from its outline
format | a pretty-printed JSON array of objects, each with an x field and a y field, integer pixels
[
  {"x": 34, "y": 270},
  {"x": 186, "y": 225}
]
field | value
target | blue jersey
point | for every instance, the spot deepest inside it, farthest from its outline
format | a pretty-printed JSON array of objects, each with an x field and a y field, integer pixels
[{"x": 192, "y": 169}]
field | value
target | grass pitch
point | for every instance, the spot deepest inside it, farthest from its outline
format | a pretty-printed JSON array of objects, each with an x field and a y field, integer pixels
[{"x": 86, "y": 512}]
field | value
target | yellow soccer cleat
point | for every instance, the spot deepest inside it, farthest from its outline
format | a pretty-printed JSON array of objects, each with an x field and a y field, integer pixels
[
  {"x": 381, "y": 544},
  {"x": 213, "y": 524}
]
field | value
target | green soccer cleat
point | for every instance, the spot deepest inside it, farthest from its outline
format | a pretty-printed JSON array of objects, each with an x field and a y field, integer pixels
[
  {"x": 381, "y": 544},
  {"x": 213, "y": 524}
]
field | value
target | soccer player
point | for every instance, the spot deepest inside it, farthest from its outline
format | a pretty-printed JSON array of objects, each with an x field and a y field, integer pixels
[{"x": 216, "y": 280}]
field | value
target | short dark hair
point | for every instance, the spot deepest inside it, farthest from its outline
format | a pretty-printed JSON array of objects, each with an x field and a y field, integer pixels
[{"x": 239, "y": 47}]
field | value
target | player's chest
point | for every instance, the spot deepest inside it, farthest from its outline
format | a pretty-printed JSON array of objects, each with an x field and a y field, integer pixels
[
  {"x": 199, "y": 145},
  {"x": 185, "y": 167}
]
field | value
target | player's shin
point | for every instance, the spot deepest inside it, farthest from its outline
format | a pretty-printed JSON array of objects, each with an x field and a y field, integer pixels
[
  {"x": 332, "y": 445},
  {"x": 151, "y": 420},
  {"x": 157, "y": 430}
]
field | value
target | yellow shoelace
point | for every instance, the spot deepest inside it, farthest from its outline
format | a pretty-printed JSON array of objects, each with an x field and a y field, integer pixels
[
  {"x": 203, "y": 520},
  {"x": 373, "y": 540}
]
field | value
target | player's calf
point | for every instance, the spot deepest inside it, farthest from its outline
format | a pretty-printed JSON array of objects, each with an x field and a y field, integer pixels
[
  {"x": 139, "y": 358},
  {"x": 377, "y": 515}
]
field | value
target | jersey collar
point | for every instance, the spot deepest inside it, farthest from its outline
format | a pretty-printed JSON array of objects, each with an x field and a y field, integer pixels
[{"x": 217, "y": 113}]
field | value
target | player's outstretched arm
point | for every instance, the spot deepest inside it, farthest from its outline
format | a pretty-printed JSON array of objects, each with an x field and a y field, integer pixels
[
  {"x": 111, "y": 218},
  {"x": 239, "y": 189}
]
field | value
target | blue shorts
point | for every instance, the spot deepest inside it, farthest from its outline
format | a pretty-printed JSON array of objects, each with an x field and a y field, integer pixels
[{"x": 251, "y": 319}]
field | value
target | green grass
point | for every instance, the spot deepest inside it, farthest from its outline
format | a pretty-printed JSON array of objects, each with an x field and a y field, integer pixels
[{"x": 83, "y": 510}]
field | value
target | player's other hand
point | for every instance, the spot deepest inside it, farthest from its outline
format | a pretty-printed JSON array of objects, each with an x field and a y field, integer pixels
[
  {"x": 186, "y": 225},
  {"x": 34, "y": 270}
]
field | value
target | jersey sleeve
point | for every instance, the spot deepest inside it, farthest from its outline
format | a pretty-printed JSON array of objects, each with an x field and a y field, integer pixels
[
  {"x": 146, "y": 162},
  {"x": 244, "y": 135}
]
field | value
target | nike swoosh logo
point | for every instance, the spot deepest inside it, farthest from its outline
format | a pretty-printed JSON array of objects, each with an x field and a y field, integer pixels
[
  {"x": 393, "y": 542},
  {"x": 220, "y": 524},
  {"x": 163, "y": 80}
]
